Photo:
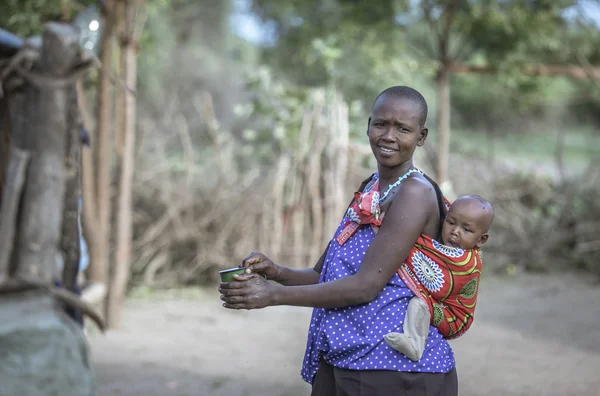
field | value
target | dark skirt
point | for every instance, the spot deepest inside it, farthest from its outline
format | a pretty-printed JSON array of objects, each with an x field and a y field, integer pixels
[{"x": 332, "y": 381}]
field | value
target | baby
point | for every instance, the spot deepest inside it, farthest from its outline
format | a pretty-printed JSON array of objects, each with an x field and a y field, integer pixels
[{"x": 465, "y": 227}]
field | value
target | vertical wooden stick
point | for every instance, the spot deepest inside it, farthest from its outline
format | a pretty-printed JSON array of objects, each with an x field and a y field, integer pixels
[{"x": 9, "y": 211}]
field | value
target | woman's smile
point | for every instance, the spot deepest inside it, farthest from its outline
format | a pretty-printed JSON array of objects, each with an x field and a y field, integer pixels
[{"x": 387, "y": 150}]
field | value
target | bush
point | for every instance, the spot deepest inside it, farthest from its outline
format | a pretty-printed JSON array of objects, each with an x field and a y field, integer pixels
[{"x": 542, "y": 225}]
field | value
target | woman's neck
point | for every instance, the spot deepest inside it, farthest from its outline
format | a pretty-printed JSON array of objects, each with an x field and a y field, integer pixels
[{"x": 389, "y": 176}]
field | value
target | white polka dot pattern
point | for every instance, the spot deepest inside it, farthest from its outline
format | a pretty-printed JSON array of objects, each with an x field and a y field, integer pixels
[{"x": 352, "y": 337}]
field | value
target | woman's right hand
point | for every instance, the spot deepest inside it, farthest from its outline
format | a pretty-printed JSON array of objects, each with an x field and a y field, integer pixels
[{"x": 261, "y": 264}]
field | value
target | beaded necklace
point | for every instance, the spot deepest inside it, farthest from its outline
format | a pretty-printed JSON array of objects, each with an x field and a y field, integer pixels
[{"x": 397, "y": 182}]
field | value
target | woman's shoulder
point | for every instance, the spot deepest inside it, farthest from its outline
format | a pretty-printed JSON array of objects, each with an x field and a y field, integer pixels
[
  {"x": 415, "y": 205},
  {"x": 420, "y": 188},
  {"x": 414, "y": 197}
]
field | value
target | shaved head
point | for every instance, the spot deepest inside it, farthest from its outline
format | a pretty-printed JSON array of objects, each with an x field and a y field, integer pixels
[
  {"x": 407, "y": 93},
  {"x": 484, "y": 208}
]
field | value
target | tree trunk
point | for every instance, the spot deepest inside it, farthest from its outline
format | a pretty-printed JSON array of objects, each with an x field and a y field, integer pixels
[
  {"x": 443, "y": 124},
  {"x": 99, "y": 247},
  {"x": 120, "y": 32},
  {"x": 118, "y": 284}
]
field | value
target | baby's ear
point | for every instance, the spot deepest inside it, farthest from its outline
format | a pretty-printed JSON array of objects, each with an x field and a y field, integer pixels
[{"x": 482, "y": 240}]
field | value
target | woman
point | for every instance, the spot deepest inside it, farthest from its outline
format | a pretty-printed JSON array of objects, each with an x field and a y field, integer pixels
[{"x": 354, "y": 288}]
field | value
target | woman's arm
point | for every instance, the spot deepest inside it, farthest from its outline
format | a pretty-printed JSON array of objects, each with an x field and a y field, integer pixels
[
  {"x": 306, "y": 276},
  {"x": 297, "y": 277},
  {"x": 285, "y": 275},
  {"x": 405, "y": 220}
]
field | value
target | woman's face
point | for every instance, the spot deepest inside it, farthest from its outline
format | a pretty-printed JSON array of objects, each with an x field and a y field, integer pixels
[{"x": 395, "y": 131}]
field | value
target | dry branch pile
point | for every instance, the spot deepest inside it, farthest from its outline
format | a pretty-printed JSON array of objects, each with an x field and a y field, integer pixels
[
  {"x": 209, "y": 207},
  {"x": 544, "y": 226}
]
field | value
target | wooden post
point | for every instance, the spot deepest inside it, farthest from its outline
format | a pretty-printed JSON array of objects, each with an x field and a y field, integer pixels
[
  {"x": 4, "y": 140},
  {"x": 120, "y": 278},
  {"x": 121, "y": 61},
  {"x": 70, "y": 245},
  {"x": 40, "y": 127},
  {"x": 99, "y": 246},
  {"x": 88, "y": 183},
  {"x": 9, "y": 210}
]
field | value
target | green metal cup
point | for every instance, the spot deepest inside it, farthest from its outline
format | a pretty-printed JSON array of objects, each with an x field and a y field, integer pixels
[{"x": 227, "y": 275}]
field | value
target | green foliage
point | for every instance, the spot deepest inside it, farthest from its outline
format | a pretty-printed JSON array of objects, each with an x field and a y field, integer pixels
[
  {"x": 508, "y": 36},
  {"x": 496, "y": 103},
  {"x": 27, "y": 18},
  {"x": 335, "y": 42},
  {"x": 206, "y": 19},
  {"x": 272, "y": 115},
  {"x": 363, "y": 47},
  {"x": 186, "y": 50},
  {"x": 519, "y": 30},
  {"x": 155, "y": 42}
]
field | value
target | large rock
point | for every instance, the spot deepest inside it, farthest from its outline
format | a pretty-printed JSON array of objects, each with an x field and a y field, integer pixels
[{"x": 42, "y": 350}]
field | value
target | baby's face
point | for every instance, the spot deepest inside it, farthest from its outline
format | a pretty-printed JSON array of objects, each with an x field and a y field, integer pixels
[{"x": 466, "y": 225}]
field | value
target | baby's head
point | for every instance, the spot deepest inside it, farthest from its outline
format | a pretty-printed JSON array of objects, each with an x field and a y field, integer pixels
[{"x": 467, "y": 222}]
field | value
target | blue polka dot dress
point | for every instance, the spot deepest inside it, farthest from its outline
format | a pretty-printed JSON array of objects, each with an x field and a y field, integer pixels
[{"x": 352, "y": 337}]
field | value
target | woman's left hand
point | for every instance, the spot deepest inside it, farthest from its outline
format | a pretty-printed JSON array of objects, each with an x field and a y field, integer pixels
[{"x": 248, "y": 291}]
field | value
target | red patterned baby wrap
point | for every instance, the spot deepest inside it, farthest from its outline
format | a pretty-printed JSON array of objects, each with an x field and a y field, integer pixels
[{"x": 446, "y": 278}]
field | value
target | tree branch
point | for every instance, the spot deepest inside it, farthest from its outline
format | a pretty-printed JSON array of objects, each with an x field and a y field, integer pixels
[{"x": 571, "y": 71}]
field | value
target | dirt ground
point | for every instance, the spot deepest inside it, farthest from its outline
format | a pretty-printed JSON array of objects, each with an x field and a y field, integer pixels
[{"x": 534, "y": 335}]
